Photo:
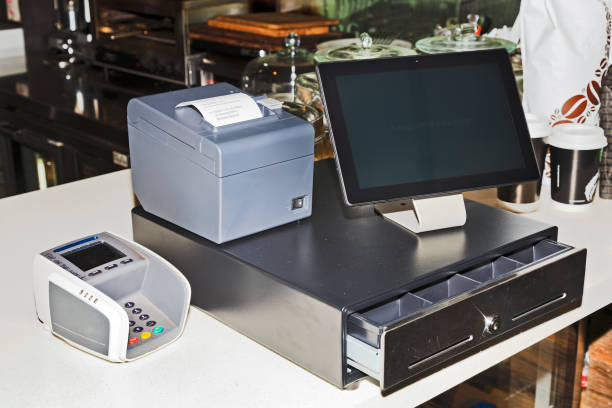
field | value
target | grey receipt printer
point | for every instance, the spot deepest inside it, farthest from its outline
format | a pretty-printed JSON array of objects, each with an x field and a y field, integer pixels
[{"x": 221, "y": 182}]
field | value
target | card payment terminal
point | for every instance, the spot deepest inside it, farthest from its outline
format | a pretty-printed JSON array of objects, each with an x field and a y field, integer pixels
[{"x": 110, "y": 297}]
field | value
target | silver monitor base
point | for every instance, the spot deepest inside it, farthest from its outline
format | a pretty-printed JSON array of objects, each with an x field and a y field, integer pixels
[{"x": 425, "y": 214}]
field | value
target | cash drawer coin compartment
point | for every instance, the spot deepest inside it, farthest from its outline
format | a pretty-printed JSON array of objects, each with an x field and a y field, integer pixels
[{"x": 411, "y": 336}]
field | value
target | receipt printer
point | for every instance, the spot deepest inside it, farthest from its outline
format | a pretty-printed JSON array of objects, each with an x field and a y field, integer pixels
[{"x": 220, "y": 163}]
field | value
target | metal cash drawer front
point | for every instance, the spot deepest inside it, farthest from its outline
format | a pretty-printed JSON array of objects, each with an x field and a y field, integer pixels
[{"x": 428, "y": 328}]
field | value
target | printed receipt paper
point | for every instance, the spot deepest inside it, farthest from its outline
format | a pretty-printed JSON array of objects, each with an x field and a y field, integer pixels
[{"x": 226, "y": 109}]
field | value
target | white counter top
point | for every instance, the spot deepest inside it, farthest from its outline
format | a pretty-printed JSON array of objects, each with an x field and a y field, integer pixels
[{"x": 211, "y": 365}]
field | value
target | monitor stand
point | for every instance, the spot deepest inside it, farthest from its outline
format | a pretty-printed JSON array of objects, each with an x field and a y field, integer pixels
[{"x": 425, "y": 214}]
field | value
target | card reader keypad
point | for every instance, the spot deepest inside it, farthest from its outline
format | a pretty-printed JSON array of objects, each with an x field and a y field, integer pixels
[{"x": 142, "y": 326}]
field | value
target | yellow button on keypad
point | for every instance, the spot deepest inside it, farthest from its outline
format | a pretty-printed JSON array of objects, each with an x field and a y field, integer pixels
[{"x": 145, "y": 335}]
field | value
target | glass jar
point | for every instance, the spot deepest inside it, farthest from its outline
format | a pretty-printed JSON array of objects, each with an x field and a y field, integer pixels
[
  {"x": 465, "y": 37},
  {"x": 275, "y": 74},
  {"x": 307, "y": 86},
  {"x": 363, "y": 48},
  {"x": 307, "y": 90},
  {"x": 309, "y": 98},
  {"x": 461, "y": 37}
]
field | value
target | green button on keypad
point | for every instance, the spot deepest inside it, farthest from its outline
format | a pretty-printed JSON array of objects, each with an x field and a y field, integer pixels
[{"x": 157, "y": 329}]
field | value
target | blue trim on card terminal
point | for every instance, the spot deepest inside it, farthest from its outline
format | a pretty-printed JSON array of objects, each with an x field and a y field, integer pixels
[{"x": 76, "y": 243}]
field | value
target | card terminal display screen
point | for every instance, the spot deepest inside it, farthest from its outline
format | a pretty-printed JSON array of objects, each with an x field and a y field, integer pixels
[{"x": 92, "y": 256}]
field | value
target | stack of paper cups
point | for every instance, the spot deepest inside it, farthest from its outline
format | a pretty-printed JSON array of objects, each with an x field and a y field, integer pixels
[
  {"x": 525, "y": 197},
  {"x": 575, "y": 155}
]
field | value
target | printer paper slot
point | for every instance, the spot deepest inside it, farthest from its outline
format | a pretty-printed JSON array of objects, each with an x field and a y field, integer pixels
[{"x": 226, "y": 109}]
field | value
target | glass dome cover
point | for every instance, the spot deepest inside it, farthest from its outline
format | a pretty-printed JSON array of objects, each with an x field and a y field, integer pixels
[
  {"x": 366, "y": 48},
  {"x": 462, "y": 38},
  {"x": 275, "y": 74}
]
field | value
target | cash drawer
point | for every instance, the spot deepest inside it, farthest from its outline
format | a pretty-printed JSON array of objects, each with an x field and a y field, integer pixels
[{"x": 422, "y": 331}]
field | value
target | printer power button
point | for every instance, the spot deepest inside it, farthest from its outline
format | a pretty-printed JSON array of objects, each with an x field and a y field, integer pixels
[{"x": 297, "y": 203}]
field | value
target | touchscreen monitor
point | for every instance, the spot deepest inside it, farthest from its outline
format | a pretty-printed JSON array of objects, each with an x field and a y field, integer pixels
[{"x": 426, "y": 125}]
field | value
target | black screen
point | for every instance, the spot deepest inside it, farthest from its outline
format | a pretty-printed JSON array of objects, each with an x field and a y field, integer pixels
[
  {"x": 92, "y": 256},
  {"x": 426, "y": 125}
]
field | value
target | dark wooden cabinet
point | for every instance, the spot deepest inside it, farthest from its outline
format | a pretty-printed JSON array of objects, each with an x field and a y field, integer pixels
[{"x": 37, "y": 154}]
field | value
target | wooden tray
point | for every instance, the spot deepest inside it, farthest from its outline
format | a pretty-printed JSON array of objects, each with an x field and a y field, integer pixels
[
  {"x": 274, "y": 24},
  {"x": 215, "y": 35}
]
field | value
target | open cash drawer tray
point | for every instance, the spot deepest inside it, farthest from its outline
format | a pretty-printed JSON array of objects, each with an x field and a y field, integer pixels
[{"x": 422, "y": 331}]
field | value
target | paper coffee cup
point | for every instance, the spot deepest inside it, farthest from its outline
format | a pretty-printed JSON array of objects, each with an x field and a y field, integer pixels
[
  {"x": 524, "y": 197},
  {"x": 575, "y": 154}
]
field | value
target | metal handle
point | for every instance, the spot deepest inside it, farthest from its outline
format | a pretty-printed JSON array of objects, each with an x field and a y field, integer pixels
[
  {"x": 466, "y": 31},
  {"x": 366, "y": 41},
  {"x": 539, "y": 307},
  {"x": 443, "y": 351},
  {"x": 292, "y": 42}
]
